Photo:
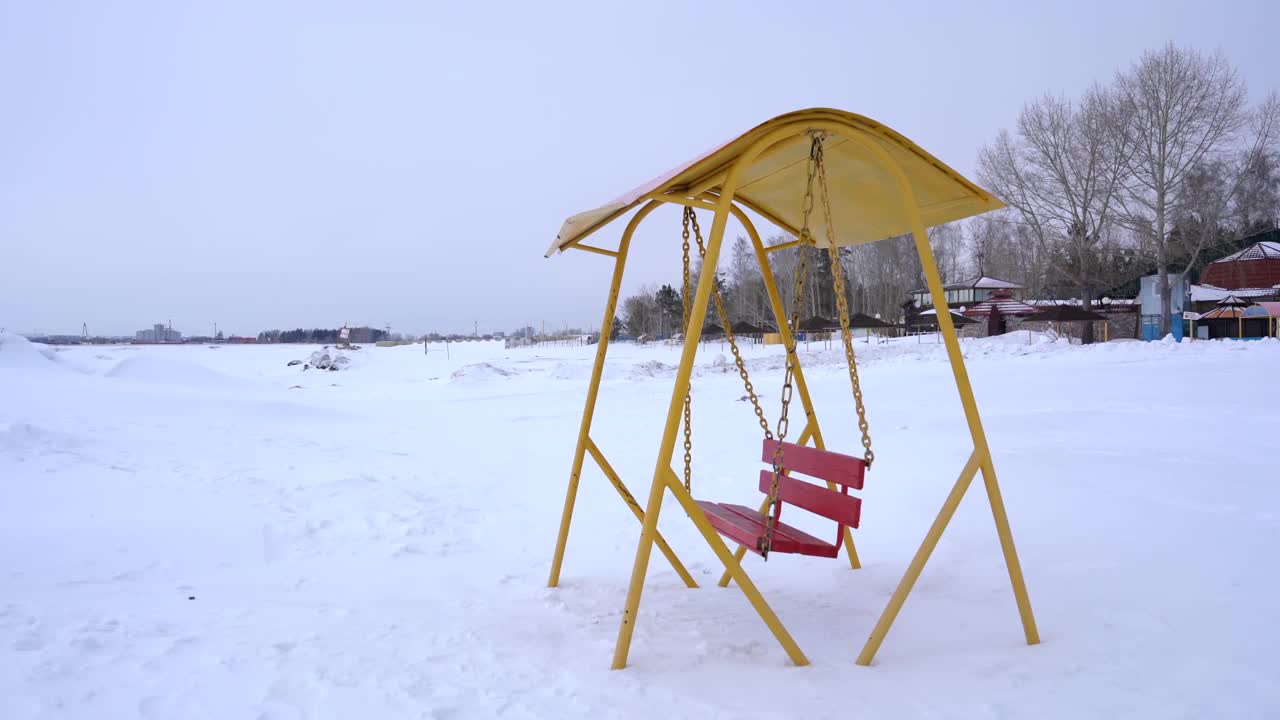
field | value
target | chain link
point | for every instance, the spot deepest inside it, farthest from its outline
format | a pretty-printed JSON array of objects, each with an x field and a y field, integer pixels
[
  {"x": 773, "y": 508},
  {"x": 842, "y": 305},
  {"x": 816, "y": 176},
  {"x": 688, "y": 393}
]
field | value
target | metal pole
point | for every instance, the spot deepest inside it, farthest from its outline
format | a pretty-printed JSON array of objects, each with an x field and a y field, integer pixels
[
  {"x": 593, "y": 391},
  {"x": 663, "y": 477}
]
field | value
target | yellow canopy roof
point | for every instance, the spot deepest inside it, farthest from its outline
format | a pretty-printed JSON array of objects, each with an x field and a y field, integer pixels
[{"x": 864, "y": 193}]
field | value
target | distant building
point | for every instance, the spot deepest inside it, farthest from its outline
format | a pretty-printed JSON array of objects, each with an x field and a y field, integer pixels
[
  {"x": 1256, "y": 267},
  {"x": 966, "y": 292},
  {"x": 157, "y": 334},
  {"x": 1249, "y": 277},
  {"x": 361, "y": 335},
  {"x": 1149, "y": 296}
]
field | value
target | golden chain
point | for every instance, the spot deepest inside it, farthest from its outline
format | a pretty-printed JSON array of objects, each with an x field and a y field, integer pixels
[
  {"x": 688, "y": 393},
  {"x": 843, "y": 306},
  {"x": 728, "y": 331},
  {"x": 773, "y": 508}
]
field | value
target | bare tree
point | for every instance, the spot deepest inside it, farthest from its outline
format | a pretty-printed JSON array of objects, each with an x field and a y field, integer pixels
[
  {"x": 948, "y": 243},
  {"x": 1003, "y": 246},
  {"x": 641, "y": 312},
  {"x": 1061, "y": 173},
  {"x": 1228, "y": 197},
  {"x": 881, "y": 274},
  {"x": 1255, "y": 192},
  {"x": 1181, "y": 109},
  {"x": 747, "y": 298}
]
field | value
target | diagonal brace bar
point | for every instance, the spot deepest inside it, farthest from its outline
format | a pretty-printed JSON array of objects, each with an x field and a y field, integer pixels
[
  {"x": 734, "y": 568},
  {"x": 630, "y": 500},
  {"x": 918, "y": 562}
]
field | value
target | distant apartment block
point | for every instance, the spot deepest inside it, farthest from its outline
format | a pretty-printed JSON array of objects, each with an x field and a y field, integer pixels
[{"x": 158, "y": 333}]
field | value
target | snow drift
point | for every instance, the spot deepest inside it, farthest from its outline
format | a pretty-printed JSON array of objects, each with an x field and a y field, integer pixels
[
  {"x": 19, "y": 352},
  {"x": 151, "y": 368}
]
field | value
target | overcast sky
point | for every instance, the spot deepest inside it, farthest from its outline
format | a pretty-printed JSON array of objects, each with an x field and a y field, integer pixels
[{"x": 283, "y": 164}]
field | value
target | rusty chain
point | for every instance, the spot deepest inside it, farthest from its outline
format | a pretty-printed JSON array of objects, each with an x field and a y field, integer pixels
[
  {"x": 842, "y": 305},
  {"x": 773, "y": 507}
]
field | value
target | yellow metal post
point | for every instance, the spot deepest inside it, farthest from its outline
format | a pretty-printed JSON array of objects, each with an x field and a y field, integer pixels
[
  {"x": 667, "y": 446},
  {"x": 974, "y": 420},
  {"x": 662, "y": 467},
  {"x": 593, "y": 390}
]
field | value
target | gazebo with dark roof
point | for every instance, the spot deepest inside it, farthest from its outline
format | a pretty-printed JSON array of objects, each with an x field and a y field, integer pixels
[
  {"x": 1067, "y": 313},
  {"x": 742, "y": 327},
  {"x": 817, "y": 323},
  {"x": 863, "y": 321}
]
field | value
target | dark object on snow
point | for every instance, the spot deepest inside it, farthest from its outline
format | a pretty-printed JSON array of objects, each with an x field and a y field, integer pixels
[
  {"x": 863, "y": 321},
  {"x": 294, "y": 362},
  {"x": 817, "y": 323},
  {"x": 1067, "y": 313}
]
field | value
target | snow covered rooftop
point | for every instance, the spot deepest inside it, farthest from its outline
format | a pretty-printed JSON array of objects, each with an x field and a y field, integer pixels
[
  {"x": 1097, "y": 304},
  {"x": 980, "y": 282},
  {"x": 1264, "y": 250},
  {"x": 1210, "y": 293},
  {"x": 1003, "y": 302}
]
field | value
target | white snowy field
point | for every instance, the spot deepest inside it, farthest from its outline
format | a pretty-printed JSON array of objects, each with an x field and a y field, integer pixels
[{"x": 189, "y": 532}]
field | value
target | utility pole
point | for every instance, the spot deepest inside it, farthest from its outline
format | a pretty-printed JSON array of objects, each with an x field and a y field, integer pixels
[{"x": 475, "y": 332}]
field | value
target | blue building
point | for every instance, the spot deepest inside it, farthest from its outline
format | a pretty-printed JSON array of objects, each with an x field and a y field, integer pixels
[{"x": 1149, "y": 296}]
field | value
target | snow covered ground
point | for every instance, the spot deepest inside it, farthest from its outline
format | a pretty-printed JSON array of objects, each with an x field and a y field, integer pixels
[{"x": 189, "y": 532}]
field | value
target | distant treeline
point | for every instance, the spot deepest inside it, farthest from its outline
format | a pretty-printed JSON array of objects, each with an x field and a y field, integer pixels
[{"x": 321, "y": 336}]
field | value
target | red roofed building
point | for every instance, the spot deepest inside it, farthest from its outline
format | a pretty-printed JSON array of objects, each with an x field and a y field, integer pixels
[
  {"x": 997, "y": 307},
  {"x": 1257, "y": 266}
]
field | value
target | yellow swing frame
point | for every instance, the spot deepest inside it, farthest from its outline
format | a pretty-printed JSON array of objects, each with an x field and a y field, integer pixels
[{"x": 892, "y": 187}]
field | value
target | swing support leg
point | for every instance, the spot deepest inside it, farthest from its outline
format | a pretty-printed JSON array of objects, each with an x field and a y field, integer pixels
[
  {"x": 664, "y": 478},
  {"x": 917, "y": 563},
  {"x": 980, "y": 459},
  {"x": 585, "y": 444}
]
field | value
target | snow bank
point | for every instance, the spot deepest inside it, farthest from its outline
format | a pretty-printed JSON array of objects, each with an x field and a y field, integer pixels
[
  {"x": 172, "y": 371},
  {"x": 651, "y": 369},
  {"x": 19, "y": 352},
  {"x": 480, "y": 372},
  {"x": 23, "y": 440}
]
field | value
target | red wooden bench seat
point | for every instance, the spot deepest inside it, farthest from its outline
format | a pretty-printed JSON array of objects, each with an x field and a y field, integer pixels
[{"x": 746, "y": 526}]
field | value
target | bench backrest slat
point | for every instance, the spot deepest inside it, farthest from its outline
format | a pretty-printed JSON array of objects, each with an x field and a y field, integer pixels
[
  {"x": 822, "y": 464},
  {"x": 844, "y": 509}
]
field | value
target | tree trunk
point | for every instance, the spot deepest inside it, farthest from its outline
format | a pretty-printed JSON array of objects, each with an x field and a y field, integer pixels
[
  {"x": 1166, "y": 299},
  {"x": 1162, "y": 262},
  {"x": 1086, "y": 302}
]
